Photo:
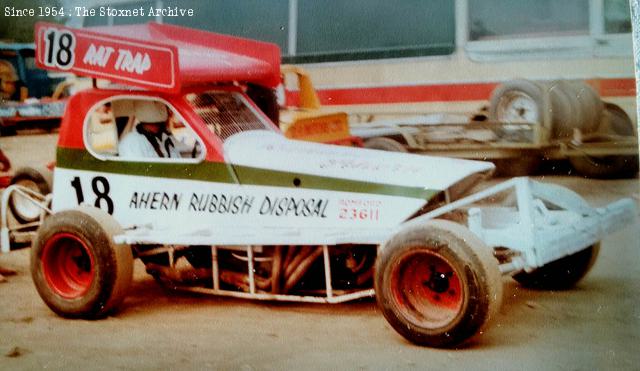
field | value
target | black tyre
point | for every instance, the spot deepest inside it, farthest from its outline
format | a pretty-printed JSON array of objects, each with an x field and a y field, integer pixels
[
  {"x": 615, "y": 121},
  {"x": 605, "y": 167},
  {"x": 561, "y": 274},
  {"x": 618, "y": 121},
  {"x": 35, "y": 179},
  {"x": 77, "y": 269},
  {"x": 384, "y": 144},
  {"x": 437, "y": 284}
]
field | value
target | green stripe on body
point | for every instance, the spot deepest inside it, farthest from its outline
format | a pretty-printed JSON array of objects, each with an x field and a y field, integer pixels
[
  {"x": 79, "y": 159},
  {"x": 250, "y": 175},
  {"x": 220, "y": 173}
]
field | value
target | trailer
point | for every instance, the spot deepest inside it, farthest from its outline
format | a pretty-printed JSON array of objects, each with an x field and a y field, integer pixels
[{"x": 525, "y": 123}]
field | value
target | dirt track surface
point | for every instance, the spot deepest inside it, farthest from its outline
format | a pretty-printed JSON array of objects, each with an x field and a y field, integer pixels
[{"x": 594, "y": 326}]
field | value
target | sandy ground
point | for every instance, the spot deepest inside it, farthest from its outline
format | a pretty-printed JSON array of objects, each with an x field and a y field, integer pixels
[{"x": 594, "y": 326}]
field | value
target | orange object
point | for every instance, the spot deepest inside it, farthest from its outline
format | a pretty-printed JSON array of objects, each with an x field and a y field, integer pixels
[{"x": 307, "y": 120}]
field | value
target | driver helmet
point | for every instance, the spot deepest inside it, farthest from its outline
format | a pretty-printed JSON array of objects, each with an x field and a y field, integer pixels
[{"x": 150, "y": 112}]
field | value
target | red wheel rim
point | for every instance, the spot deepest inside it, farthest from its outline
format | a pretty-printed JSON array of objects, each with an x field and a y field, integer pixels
[
  {"x": 427, "y": 289},
  {"x": 67, "y": 265}
]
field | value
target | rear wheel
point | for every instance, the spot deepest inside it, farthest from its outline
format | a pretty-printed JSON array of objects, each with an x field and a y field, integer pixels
[
  {"x": 76, "y": 267},
  {"x": 563, "y": 273},
  {"x": 437, "y": 284}
]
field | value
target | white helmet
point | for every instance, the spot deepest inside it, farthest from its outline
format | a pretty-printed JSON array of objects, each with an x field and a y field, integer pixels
[{"x": 149, "y": 111}]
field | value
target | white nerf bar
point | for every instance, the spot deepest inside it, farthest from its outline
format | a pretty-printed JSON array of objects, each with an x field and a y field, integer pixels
[
  {"x": 543, "y": 222},
  {"x": 23, "y": 231}
]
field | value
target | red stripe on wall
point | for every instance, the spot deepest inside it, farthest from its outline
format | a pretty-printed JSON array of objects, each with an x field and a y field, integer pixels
[
  {"x": 615, "y": 87},
  {"x": 445, "y": 92},
  {"x": 407, "y": 94}
]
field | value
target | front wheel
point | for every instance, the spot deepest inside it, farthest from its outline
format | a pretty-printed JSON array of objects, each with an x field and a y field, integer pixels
[
  {"x": 76, "y": 267},
  {"x": 437, "y": 284}
]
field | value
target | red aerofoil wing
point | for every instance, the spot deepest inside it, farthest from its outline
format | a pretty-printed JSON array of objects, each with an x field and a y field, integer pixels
[{"x": 155, "y": 56}]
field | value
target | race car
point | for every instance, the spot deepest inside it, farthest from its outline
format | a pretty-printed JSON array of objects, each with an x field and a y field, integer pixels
[{"x": 223, "y": 203}]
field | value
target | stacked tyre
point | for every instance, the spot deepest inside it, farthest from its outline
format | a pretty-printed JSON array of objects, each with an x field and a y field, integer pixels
[
  {"x": 562, "y": 107},
  {"x": 571, "y": 105}
]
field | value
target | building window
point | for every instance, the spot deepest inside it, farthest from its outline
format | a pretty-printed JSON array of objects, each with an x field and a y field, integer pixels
[
  {"x": 254, "y": 19},
  {"x": 320, "y": 30},
  {"x": 503, "y": 19},
  {"x": 334, "y": 30},
  {"x": 617, "y": 16}
]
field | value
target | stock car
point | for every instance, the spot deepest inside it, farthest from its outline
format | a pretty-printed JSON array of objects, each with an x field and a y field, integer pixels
[{"x": 245, "y": 212}]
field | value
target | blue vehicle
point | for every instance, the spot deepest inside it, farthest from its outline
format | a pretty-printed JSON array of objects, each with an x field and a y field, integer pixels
[
  {"x": 28, "y": 94},
  {"x": 37, "y": 81}
]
